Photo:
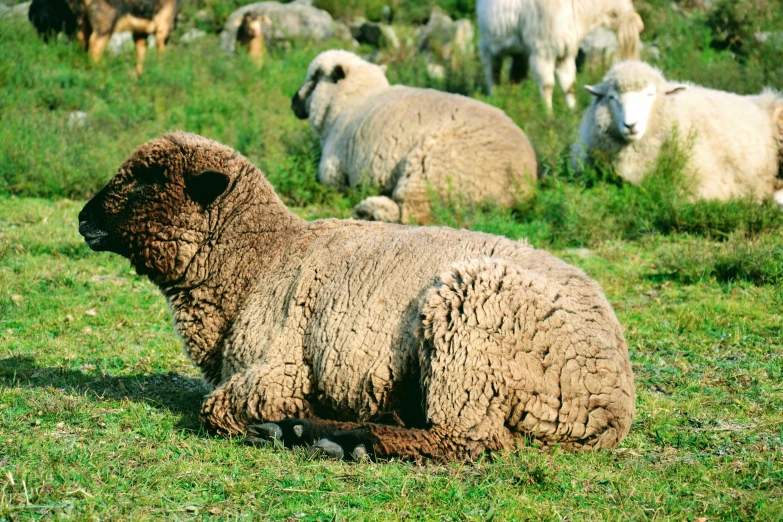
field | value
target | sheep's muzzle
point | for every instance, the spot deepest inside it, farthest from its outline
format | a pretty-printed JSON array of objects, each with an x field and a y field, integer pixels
[
  {"x": 299, "y": 106},
  {"x": 91, "y": 223}
]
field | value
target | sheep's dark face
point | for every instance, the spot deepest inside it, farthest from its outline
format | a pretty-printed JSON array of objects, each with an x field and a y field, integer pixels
[{"x": 156, "y": 209}]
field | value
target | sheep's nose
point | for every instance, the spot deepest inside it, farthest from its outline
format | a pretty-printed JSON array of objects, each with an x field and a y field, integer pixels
[{"x": 630, "y": 126}]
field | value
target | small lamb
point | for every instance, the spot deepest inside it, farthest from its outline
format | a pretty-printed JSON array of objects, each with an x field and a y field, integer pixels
[
  {"x": 736, "y": 141},
  {"x": 407, "y": 141},
  {"x": 466, "y": 342}
]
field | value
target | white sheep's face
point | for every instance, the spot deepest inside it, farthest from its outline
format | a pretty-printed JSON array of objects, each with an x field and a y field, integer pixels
[{"x": 631, "y": 111}]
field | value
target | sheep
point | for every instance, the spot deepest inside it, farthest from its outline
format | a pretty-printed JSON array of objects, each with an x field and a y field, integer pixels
[
  {"x": 733, "y": 142},
  {"x": 544, "y": 36},
  {"x": 464, "y": 342},
  {"x": 250, "y": 33},
  {"x": 405, "y": 140}
]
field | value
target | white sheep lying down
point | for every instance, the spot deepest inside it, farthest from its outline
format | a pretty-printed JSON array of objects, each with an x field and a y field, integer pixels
[
  {"x": 408, "y": 141},
  {"x": 735, "y": 143},
  {"x": 544, "y": 35}
]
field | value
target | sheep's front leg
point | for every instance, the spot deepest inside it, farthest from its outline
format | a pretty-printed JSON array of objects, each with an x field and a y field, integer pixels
[
  {"x": 566, "y": 77},
  {"x": 544, "y": 72},
  {"x": 140, "y": 39},
  {"x": 777, "y": 197},
  {"x": 262, "y": 392},
  {"x": 493, "y": 65}
]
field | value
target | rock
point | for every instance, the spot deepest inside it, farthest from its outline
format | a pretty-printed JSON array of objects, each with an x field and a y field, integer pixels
[
  {"x": 386, "y": 14},
  {"x": 192, "y": 36},
  {"x": 121, "y": 42},
  {"x": 375, "y": 34},
  {"x": 584, "y": 253},
  {"x": 650, "y": 52},
  {"x": 771, "y": 37},
  {"x": 444, "y": 37},
  {"x": 77, "y": 119},
  {"x": 601, "y": 45},
  {"x": 436, "y": 71},
  {"x": 17, "y": 11},
  {"x": 203, "y": 16},
  {"x": 294, "y": 21}
]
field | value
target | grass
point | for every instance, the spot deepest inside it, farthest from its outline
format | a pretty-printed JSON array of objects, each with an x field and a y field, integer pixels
[{"x": 99, "y": 405}]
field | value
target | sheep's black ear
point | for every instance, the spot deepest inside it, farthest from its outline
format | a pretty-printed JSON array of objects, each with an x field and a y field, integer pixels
[
  {"x": 596, "y": 90},
  {"x": 676, "y": 89},
  {"x": 338, "y": 73},
  {"x": 206, "y": 186}
]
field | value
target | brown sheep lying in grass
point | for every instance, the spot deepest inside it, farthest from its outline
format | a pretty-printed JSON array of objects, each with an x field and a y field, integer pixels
[{"x": 316, "y": 332}]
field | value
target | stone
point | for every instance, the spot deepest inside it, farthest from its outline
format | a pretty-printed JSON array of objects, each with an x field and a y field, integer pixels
[
  {"x": 77, "y": 119},
  {"x": 16, "y": 11},
  {"x": 378, "y": 35},
  {"x": 295, "y": 21},
  {"x": 445, "y": 37},
  {"x": 121, "y": 42},
  {"x": 192, "y": 35}
]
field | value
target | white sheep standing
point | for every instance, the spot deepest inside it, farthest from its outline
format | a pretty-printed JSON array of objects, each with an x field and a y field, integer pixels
[
  {"x": 544, "y": 36},
  {"x": 408, "y": 141},
  {"x": 734, "y": 142}
]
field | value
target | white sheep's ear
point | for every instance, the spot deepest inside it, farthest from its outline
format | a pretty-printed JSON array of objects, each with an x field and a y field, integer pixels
[
  {"x": 599, "y": 91},
  {"x": 675, "y": 89},
  {"x": 206, "y": 186}
]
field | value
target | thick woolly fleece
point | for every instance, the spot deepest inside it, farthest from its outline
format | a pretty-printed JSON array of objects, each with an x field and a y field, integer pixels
[
  {"x": 407, "y": 141},
  {"x": 469, "y": 342},
  {"x": 733, "y": 142}
]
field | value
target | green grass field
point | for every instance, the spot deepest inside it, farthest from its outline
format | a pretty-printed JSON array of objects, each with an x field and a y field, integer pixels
[{"x": 99, "y": 405}]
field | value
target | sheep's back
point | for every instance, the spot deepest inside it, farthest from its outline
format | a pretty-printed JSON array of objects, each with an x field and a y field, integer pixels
[
  {"x": 734, "y": 152},
  {"x": 474, "y": 140},
  {"x": 357, "y": 300},
  {"x": 547, "y": 27}
]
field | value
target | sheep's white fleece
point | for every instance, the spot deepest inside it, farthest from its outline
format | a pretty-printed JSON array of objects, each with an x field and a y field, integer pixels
[
  {"x": 406, "y": 140},
  {"x": 735, "y": 146},
  {"x": 547, "y": 33}
]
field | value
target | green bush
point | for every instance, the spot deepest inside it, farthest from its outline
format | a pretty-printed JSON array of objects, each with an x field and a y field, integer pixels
[{"x": 758, "y": 260}]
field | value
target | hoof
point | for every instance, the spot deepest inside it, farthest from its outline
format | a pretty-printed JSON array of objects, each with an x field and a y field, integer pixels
[
  {"x": 256, "y": 441},
  {"x": 328, "y": 448},
  {"x": 268, "y": 431},
  {"x": 360, "y": 453}
]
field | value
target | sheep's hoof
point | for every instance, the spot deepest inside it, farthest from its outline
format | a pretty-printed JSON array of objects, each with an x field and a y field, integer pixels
[
  {"x": 328, "y": 448},
  {"x": 268, "y": 431},
  {"x": 360, "y": 453},
  {"x": 256, "y": 441}
]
